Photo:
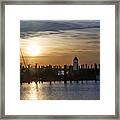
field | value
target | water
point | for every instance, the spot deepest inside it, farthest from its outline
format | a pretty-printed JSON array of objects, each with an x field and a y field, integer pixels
[{"x": 60, "y": 91}]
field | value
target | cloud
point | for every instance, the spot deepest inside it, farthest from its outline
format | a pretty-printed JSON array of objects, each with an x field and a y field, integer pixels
[
  {"x": 64, "y": 38},
  {"x": 32, "y": 28},
  {"x": 66, "y": 34},
  {"x": 28, "y": 25}
]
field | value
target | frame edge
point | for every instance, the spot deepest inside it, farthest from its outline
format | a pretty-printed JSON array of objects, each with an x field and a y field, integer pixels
[{"x": 117, "y": 25}]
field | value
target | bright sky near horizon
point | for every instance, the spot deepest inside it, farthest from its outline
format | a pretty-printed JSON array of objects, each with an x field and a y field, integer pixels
[{"x": 58, "y": 42}]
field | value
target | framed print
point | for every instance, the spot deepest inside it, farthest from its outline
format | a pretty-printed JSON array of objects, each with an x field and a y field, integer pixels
[{"x": 59, "y": 60}]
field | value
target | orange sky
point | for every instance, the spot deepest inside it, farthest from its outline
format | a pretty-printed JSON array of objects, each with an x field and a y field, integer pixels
[{"x": 50, "y": 47}]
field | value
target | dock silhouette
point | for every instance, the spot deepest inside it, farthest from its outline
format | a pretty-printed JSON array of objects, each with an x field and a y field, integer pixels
[{"x": 66, "y": 73}]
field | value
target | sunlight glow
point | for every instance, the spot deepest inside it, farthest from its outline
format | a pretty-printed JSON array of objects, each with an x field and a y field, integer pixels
[{"x": 34, "y": 49}]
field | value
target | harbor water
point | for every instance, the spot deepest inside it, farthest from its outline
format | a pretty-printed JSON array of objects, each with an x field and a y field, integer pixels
[{"x": 89, "y": 90}]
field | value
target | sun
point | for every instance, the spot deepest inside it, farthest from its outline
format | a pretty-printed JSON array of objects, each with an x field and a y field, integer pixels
[{"x": 33, "y": 49}]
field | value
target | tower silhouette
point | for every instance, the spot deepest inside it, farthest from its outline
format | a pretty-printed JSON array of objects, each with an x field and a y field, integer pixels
[{"x": 75, "y": 64}]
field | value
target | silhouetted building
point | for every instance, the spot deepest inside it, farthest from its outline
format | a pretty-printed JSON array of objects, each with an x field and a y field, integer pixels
[
  {"x": 75, "y": 64},
  {"x": 74, "y": 72}
]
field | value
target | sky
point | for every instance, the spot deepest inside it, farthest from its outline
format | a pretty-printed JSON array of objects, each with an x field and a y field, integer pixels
[{"x": 58, "y": 42}]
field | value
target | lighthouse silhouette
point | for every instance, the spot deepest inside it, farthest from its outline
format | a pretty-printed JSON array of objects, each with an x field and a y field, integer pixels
[{"x": 75, "y": 64}]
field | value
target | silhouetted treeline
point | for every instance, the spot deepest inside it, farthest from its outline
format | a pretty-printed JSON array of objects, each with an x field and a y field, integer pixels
[{"x": 58, "y": 73}]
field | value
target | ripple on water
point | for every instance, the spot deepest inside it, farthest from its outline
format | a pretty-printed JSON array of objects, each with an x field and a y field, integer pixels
[{"x": 60, "y": 91}]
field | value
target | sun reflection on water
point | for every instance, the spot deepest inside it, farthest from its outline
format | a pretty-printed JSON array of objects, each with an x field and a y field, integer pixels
[
  {"x": 33, "y": 92},
  {"x": 36, "y": 91},
  {"x": 60, "y": 91}
]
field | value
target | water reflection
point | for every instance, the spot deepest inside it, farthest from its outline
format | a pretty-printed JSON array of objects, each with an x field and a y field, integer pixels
[{"x": 60, "y": 91}]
